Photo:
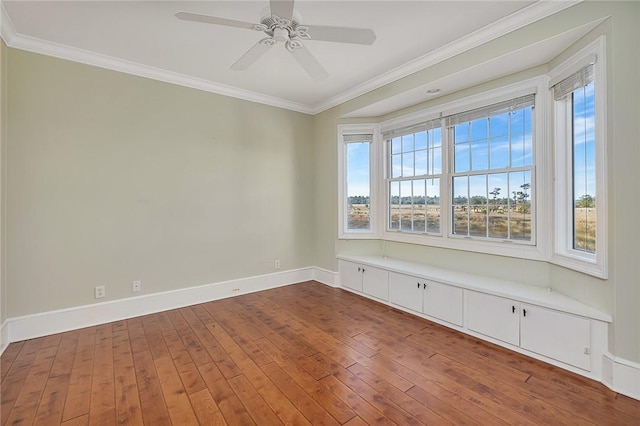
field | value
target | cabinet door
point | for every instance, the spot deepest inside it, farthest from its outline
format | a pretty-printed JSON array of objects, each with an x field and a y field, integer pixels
[
  {"x": 350, "y": 275},
  {"x": 560, "y": 336},
  {"x": 375, "y": 282},
  {"x": 494, "y": 316},
  {"x": 443, "y": 301},
  {"x": 405, "y": 290}
]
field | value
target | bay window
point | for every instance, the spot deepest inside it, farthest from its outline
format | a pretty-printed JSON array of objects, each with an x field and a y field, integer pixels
[{"x": 522, "y": 164}]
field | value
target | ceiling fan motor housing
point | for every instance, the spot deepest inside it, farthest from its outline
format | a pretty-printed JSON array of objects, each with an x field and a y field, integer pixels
[{"x": 288, "y": 31}]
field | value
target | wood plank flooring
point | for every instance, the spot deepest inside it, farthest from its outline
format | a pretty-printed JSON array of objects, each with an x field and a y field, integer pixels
[{"x": 304, "y": 354}]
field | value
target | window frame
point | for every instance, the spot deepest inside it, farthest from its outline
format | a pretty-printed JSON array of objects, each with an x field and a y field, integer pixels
[
  {"x": 510, "y": 248},
  {"x": 374, "y": 216},
  {"x": 563, "y": 252},
  {"x": 531, "y": 169},
  {"x": 389, "y": 178}
]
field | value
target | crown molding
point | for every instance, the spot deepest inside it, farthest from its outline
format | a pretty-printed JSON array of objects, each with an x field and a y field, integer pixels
[
  {"x": 7, "y": 30},
  {"x": 530, "y": 14},
  {"x": 526, "y": 16}
]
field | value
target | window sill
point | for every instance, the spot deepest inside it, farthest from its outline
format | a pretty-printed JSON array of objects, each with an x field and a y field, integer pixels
[{"x": 506, "y": 248}]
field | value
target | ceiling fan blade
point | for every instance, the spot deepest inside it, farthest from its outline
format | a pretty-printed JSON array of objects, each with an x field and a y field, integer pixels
[
  {"x": 195, "y": 17},
  {"x": 282, "y": 8},
  {"x": 252, "y": 55},
  {"x": 341, "y": 34},
  {"x": 309, "y": 63}
]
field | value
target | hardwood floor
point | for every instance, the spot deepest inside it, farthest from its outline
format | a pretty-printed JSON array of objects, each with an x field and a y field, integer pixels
[{"x": 302, "y": 354}]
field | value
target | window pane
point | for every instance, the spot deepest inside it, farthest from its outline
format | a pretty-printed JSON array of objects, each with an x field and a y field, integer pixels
[
  {"x": 435, "y": 159},
  {"x": 435, "y": 139},
  {"x": 521, "y": 150},
  {"x": 584, "y": 166},
  {"x": 520, "y": 205},
  {"x": 396, "y": 165},
  {"x": 421, "y": 163},
  {"x": 419, "y": 206},
  {"x": 358, "y": 185},
  {"x": 479, "y": 129},
  {"x": 460, "y": 206},
  {"x": 499, "y": 125},
  {"x": 421, "y": 140},
  {"x": 406, "y": 198},
  {"x": 499, "y": 152},
  {"x": 407, "y": 164},
  {"x": 407, "y": 143},
  {"x": 479, "y": 155},
  {"x": 521, "y": 137},
  {"x": 396, "y": 145},
  {"x": 433, "y": 205},
  {"x": 394, "y": 205},
  {"x": 498, "y": 205},
  {"x": 461, "y": 158},
  {"x": 478, "y": 205},
  {"x": 460, "y": 190},
  {"x": 461, "y": 133}
]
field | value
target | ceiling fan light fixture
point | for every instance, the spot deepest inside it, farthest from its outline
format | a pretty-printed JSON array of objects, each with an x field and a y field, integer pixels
[{"x": 281, "y": 34}]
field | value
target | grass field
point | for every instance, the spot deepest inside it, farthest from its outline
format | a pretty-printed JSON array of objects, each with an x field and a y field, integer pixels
[{"x": 475, "y": 222}]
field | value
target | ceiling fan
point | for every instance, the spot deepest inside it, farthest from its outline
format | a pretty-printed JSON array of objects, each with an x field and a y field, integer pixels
[{"x": 284, "y": 26}]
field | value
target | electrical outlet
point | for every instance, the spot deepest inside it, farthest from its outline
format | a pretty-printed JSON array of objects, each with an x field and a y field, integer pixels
[
  {"x": 276, "y": 264},
  {"x": 99, "y": 292},
  {"x": 136, "y": 286}
]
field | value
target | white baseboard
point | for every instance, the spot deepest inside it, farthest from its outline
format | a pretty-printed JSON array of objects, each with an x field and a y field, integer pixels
[
  {"x": 621, "y": 375},
  {"x": 326, "y": 277},
  {"x": 52, "y": 322},
  {"x": 4, "y": 336}
]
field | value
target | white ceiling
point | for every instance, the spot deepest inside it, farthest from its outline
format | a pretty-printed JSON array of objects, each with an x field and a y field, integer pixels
[{"x": 145, "y": 38}]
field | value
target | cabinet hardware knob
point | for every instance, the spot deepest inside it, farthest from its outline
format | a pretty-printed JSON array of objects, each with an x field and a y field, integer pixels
[
  {"x": 513, "y": 309},
  {"x": 359, "y": 269},
  {"x": 418, "y": 285},
  {"x": 362, "y": 269},
  {"x": 524, "y": 312},
  {"x": 424, "y": 286}
]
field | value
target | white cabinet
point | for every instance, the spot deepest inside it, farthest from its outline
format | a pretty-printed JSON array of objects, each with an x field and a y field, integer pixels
[
  {"x": 406, "y": 291},
  {"x": 435, "y": 299},
  {"x": 364, "y": 278},
  {"x": 443, "y": 301},
  {"x": 558, "y": 335},
  {"x": 493, "y": 316}
]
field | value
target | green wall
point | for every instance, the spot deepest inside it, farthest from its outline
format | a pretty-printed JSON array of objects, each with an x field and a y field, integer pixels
[
  {"x": 114, "y": 178},
  {"x": 3, "y": 168}
]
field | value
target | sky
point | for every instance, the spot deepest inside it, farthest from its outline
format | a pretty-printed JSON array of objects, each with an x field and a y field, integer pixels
[{"x": 485, "y": 145}]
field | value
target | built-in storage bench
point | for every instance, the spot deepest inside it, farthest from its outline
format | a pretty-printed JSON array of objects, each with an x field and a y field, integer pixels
[{"x": 529, "y": 319}]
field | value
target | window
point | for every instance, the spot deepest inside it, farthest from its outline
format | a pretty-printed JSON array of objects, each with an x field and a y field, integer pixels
[
  {"x": 415, "y": 166},
  {"x": 357, "y": 183},
  {"x": 579, "y": 146},
  {"x": 492, "y": 156}
]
